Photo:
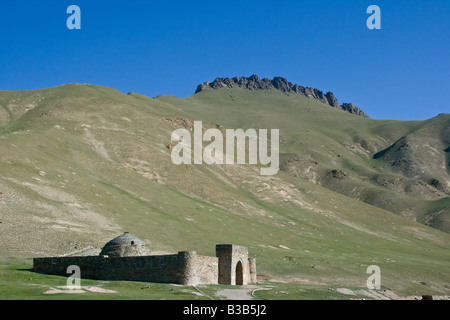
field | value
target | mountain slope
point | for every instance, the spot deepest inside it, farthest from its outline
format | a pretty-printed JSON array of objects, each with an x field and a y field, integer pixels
[
  {"x": 345, "y": 153},
  {"x": 83, "y": 163}
]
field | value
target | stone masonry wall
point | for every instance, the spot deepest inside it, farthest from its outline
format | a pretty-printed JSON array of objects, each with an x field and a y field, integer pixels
[
  {"x": 231, "y": 266},
  {"x": 183, "y": 268},
  {"x": 207, "y": 269}
]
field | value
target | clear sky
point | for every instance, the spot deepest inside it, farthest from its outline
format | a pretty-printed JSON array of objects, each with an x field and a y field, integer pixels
[{"x": 169, "y": 47}]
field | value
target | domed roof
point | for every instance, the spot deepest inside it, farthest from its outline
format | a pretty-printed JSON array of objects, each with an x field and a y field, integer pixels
[
  {"x": 125, "y": 245},
  {"x": 125, "y": 238}
]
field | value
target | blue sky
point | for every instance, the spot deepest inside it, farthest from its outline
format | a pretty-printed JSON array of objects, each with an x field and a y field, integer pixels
[{"x": 169, "y": 47}]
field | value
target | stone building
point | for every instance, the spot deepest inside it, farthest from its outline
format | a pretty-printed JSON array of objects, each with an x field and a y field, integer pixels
[{"x": 128, "y": 258}]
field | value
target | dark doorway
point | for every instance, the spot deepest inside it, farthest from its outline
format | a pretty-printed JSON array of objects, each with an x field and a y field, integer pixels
[{"x": 239, "y": 274}]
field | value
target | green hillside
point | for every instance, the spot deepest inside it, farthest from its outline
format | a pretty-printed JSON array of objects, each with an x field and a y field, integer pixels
[
  {"x": 398, "y": 166},
  {"x": 80, "y": 164}
]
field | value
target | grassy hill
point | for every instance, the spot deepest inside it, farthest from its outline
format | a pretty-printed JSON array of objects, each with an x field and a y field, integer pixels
[
  {"x": 81, "y": 164},
  {"x": 399, "y": 166}
]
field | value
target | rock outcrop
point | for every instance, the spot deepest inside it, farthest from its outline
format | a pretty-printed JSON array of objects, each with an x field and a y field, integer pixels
[
  {"x": 278, "y": 83},
  {"x": 353, "y": 109}
]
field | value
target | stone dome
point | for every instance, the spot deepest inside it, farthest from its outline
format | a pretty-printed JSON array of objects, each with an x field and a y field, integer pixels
[{"x": 125, "y": 245}]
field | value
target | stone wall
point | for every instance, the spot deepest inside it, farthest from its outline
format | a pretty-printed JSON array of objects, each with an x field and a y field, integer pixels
[
  {"x": 231, "y": 266},
  {"x": 206, "y": 270},
  {"x": 252, "y": 267},
  {"x": 184, "y": 268}
]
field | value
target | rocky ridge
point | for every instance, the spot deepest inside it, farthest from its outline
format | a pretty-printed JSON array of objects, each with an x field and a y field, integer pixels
[{"x": 278, "y": 83}]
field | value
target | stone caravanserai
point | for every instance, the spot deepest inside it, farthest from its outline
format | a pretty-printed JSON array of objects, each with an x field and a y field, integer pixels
[{"x": 128, "y": 258}]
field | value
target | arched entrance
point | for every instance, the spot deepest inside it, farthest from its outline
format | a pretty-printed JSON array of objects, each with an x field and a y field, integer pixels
[{"x": 239, "y": 274}]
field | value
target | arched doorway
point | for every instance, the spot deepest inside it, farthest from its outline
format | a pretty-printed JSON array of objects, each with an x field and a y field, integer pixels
[{"x": 239, "y": 274}]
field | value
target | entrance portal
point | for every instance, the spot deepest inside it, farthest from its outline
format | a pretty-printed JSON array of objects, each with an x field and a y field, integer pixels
[{"x": 239, "y": 274}]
